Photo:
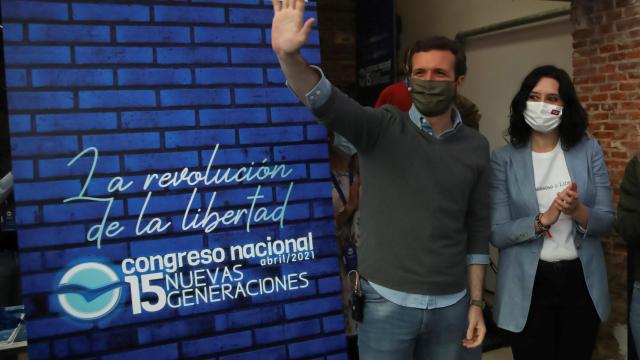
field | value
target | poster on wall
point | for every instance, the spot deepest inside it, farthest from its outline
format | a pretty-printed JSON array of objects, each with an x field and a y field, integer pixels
[
  {"x": 172, "y": 195},
  {"x": 376, "y": 53}
]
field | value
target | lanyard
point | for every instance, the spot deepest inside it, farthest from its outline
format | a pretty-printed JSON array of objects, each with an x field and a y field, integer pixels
[{"x": 336, "y": 184}]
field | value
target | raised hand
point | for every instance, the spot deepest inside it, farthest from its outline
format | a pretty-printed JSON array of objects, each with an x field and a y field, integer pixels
[{"x": 288, "y": 32}]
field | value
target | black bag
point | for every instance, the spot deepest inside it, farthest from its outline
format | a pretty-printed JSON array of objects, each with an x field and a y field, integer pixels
[{"x": 357, "y": 298}]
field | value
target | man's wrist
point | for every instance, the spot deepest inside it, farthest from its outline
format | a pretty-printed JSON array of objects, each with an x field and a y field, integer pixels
[
  {"x": 480, "y": 303},
  {"x": 283, "y": 53}
]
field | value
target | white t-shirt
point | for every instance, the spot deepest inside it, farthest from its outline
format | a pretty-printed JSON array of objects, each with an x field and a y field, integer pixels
[{"x": 551, "y": 177}]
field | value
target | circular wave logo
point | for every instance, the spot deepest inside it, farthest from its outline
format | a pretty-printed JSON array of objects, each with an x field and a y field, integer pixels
[{"x": 89, "y": 291}]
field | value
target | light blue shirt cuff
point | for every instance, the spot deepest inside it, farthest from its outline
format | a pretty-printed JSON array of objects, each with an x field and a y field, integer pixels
[
  {"x": 478, "y": 259},
  {"x": 320, "y": 92}
]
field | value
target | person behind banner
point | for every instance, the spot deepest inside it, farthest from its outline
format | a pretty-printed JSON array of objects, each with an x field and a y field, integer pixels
[
  {"x": 628, "y": 226},
  {"x": 424, "y": 219},
  {"x": 345, "y": 197},
  {"x": 550, "y": 205}
]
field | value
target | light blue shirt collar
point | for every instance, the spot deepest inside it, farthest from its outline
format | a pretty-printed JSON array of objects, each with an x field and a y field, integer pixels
[{"x": 422, "y": 122}]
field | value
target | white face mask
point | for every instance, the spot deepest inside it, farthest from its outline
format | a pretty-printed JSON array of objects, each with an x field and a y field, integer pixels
[{"x": 542, "y": 117}]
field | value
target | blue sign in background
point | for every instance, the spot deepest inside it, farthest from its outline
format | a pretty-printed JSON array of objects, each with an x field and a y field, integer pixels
[{"x": 152, "y": 87}]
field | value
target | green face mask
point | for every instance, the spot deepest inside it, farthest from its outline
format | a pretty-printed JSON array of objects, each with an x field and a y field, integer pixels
[{"x": 432, "y": 97}]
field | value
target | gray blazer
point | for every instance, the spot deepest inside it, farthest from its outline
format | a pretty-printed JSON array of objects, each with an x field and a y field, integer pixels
[{"x": 513, "y": 208}]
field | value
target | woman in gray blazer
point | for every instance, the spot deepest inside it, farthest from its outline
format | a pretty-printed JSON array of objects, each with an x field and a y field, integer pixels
[{"x": 551, "y": 204}]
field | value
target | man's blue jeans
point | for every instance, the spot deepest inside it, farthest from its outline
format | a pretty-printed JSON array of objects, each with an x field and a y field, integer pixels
[
  {"x": 634, "y": 316},
  {"x": 389, "y": 331}
]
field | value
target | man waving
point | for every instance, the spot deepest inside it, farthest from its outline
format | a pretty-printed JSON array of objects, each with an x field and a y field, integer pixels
[{"x": 424, "y": 204}]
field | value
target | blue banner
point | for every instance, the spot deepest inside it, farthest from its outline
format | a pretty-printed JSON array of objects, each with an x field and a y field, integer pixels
[{"x": 172, "y": 195}]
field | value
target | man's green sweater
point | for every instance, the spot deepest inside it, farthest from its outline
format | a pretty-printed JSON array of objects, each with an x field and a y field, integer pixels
[{"x": 424, "y": 203}]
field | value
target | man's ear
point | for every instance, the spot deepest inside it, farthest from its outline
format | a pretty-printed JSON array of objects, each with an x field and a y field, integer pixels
[{"x": 460, "y": 81}]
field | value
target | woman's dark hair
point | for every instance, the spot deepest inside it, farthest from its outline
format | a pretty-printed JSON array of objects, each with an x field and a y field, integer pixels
[
  {"x": 574, "y": 122},
  {"x": 440, "y": 43}
]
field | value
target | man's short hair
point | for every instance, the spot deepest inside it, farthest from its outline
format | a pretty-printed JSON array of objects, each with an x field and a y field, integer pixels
[{"x": 440, "y": 43}]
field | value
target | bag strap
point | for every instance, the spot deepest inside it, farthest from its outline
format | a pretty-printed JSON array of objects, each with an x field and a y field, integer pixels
[{"x": 336, "y": 184}]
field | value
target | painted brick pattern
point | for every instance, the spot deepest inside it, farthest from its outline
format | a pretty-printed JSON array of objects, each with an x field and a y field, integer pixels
[
  {"x": 606, "y": 63},
  {"x": 154, "y": 85}
]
